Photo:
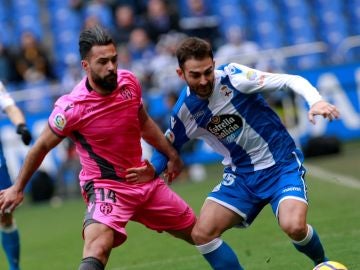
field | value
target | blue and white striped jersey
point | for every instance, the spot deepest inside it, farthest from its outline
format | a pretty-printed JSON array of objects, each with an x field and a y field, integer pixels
[{"x": 235, "y": 120}]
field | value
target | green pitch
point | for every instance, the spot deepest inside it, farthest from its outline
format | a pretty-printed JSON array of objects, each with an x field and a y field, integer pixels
[{"x": 51, "y": 236}]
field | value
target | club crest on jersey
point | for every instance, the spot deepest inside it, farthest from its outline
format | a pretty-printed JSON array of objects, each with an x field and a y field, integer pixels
[
  {"x": 226, "y": 127},
  {"x": 106, "y": 208},
  {"x": 126, "y": 93},
  {"x": 225, "y": 91},
  {"x": 59, "y": 121}
]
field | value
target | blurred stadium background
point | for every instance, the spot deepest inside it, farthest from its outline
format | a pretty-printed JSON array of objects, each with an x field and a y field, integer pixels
[{"x": 317, "y": 39}]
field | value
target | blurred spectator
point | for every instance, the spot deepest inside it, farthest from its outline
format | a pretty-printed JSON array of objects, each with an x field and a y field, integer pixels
[
  {"x": 77, "y": 5},
  {"x": 140, "y": 46},
  {"x": 72, "y": 75},
  {"x": 124, "y": 57},
  {"x": 238, "y": 47},
  {"x": 7, "y": 69},
  {"x": 163, "y": 66},
  {"x": 90, "y": 21},
  {"x": 67, "y": 183},
  {"x": 160, "y": 18},
  {"x": 102, "y": 11},
  {"x": 138, "y": 6},
  {"x": 125, "y": 23},
  {"x": 32, "y": 62},
  {"x": 201, "y": 22},
  {"x": 142, "y": 51}
]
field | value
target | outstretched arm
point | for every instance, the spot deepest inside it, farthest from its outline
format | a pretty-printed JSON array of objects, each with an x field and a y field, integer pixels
[
  {"x": 303, "y": 87},
  {"x": 317, "y": 105},
  {"x": 10, "y": 198}
]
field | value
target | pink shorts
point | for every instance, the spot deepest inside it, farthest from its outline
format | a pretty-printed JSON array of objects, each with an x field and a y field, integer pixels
[{"x": 153, "y": 204}]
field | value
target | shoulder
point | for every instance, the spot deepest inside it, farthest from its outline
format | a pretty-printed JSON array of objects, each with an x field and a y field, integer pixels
[
  {"x": 126, "y": 77},
  {"x": 124, "y": 74},
  {"x": 233, "y": 69}
]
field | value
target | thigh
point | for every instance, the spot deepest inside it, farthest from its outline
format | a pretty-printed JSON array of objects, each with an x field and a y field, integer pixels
[
  {"x": 214, "y": 219},
  {"x": 165, "y": 210},
  {"x": 291, "y": 185},
  {"x": 234, "y": 195}
]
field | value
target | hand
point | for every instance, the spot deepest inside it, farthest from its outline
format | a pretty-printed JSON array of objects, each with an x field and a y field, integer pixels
[
  {"x": 25, "y": 133},
  {"x": 10, "y": 198},
  {"x": 325, "y": 109},
  {"x": 174, "y": 168},
  {"x": 140, "y": 174}
]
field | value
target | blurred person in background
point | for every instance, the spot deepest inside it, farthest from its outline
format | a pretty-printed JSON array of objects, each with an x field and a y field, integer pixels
[
  {"x": 225, "y": 108},
  {"x": 104, "y": 116},
  {"x": 125, "y": 23},
  {"x": 201, "y": 22},
  {"x": 66, "y": 184},
  {"x": 142, "y": 51},
  {"x": 9, "y": 232},
  {"x": 160, "y": 18},
  {"x": 72, "y": 74},
  {"x": 31, "y": 61},
  {"x": 165, "y": 80},
  {"x": 236, "y": 46},
  {"x": 7, "y": 68}
]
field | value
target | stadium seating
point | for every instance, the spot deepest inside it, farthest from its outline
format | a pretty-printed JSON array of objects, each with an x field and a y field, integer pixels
[
  {"x": 27, "y": 14},
  {"x": 270, "y": 23}
]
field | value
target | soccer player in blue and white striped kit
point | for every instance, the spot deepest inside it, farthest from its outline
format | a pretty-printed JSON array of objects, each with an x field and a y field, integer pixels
[
  {"x": 225, "y": 108},
  {"x": 8, "y": 230}
]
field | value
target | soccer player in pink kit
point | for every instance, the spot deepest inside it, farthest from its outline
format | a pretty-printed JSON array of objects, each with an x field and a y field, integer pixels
[{"x": 106, "y": 119}]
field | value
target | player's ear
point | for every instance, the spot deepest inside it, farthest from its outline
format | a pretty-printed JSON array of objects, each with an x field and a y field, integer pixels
[
  {"x": 180, "y": 73},
  {"x": 85, "y": 65}
]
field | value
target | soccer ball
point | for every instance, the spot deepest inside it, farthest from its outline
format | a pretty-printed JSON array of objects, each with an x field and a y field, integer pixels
[{"x": 330, "y": 265}]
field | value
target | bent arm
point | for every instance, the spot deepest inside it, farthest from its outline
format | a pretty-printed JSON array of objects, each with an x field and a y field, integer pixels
[
  {"x": 10, "y": 198},
  {"x": 153, "y": 135}
]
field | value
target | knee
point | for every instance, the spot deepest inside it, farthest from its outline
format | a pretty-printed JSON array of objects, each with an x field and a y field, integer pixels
[
  {"x": 202, "y": 236},
  {"x": 297, "y": 231}
]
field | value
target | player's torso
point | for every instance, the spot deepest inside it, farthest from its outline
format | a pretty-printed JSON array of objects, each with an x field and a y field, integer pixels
[
  {"x": 241, "y": 127},
  {"x": 106, "y": 131}
]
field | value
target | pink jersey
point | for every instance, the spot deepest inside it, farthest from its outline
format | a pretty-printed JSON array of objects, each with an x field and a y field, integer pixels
[{"x": 105, "y": 129}]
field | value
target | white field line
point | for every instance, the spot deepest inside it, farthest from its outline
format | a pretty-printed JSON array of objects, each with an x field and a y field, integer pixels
[{"x": 328, "y": 176}]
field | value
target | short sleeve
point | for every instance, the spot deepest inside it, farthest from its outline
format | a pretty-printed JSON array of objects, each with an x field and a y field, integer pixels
[{"x": 62, "y": 119}]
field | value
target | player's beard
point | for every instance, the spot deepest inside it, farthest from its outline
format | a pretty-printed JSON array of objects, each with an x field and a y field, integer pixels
[
  {"x": 107, "y": 83},
  {"x": 204, "y": 91}
]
